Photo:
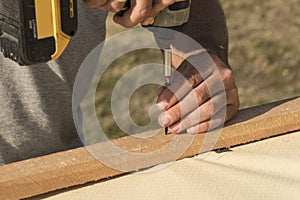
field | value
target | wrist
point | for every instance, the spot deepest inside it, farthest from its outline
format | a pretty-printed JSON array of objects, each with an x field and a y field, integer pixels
[{"x": 178, "y": 56}]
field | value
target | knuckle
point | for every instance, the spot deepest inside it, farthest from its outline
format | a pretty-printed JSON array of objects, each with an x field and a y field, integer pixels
[
  {"x": 116, "y": 7},
  {"x": 200, "y": 96},
  {"x": 227, "y": 75},
  {"x": 207, "y": 109},
  {"x": 175, "y": 112},
  {"x": 192, "y": 80},
  {"x": 203, "y": 127},
  {"x": 188, "y": 122},
  {"x": 192, "y": 76},
  {"x": 145, "y": 12}
]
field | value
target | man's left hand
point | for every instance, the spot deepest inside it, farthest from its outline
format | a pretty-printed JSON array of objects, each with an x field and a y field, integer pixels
[{"x": 182, "y": 112}]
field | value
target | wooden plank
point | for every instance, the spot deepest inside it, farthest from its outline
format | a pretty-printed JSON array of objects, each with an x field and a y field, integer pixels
[{"x": 75, "y": 167}]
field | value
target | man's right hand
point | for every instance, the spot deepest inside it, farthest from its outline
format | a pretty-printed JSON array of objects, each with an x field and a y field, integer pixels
[
  {"x": 140, "y": 11},
  {"x": 107, "y": 5}
]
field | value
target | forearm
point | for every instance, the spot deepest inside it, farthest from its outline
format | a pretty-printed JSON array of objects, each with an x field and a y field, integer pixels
[{"x": 207, "y": 25}]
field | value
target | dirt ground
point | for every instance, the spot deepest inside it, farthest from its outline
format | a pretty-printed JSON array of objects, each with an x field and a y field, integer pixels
[{"x": 264, "y": 48}]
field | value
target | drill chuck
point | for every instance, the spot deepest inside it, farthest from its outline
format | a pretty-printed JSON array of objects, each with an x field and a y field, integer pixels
[{"x": 175, "y": 15}]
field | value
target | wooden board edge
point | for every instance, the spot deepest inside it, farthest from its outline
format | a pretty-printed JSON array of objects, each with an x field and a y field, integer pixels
[{"x": 76, "y": 167}]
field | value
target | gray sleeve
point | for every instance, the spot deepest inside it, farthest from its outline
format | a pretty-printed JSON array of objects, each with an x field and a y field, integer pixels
[{"x": 36, "y": 115}]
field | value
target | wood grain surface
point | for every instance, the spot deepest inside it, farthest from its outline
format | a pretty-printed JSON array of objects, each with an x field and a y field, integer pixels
[{"x": 76, "y": 167}]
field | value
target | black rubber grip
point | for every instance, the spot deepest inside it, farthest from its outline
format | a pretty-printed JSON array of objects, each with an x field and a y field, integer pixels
[
  {"x": 68, "y": 12},
  {"x": 18, "y": 40},
  {"x": 18, "y": 30},
  {"x": 179, "y": 5},
  {"x": 32, "y": 49}
]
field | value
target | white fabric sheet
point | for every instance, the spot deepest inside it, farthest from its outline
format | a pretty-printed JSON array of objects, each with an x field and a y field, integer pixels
[{"x": 269, "y": 169}]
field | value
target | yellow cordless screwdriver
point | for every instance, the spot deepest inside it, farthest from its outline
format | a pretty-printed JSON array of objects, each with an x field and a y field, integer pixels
[{"x": 35, "y": 31}]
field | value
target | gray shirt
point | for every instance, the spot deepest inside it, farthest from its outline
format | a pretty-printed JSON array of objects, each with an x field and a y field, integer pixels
[{"x": 36, "y": 101}]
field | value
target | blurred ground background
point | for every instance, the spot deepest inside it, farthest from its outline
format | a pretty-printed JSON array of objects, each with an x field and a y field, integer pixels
[
  {"x": 264, "y": 48},
  {"x": 264, "y": 55}
]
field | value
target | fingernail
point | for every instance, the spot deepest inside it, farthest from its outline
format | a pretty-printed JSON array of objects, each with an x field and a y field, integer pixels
[
  {"x": 192, "y": 130},
  {"x": 162, "y": 105},
  {"x": 148, "y": 21},
  {"x": 152, "y": 21},
  {"x": 165, "y": 119}
]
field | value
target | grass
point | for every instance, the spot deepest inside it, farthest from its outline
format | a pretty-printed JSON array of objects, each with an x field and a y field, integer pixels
[
  {"x": 264, "y": 55},
  {"x": 140, "y": 101},
  {"x": 264, "y": 49}
]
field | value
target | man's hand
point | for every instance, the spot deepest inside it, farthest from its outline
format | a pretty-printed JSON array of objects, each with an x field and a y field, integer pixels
[
  {"x": 182, "y": 112},
  {"x": 140, "y": 11},
  {"x": 107, "y": 5}
]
